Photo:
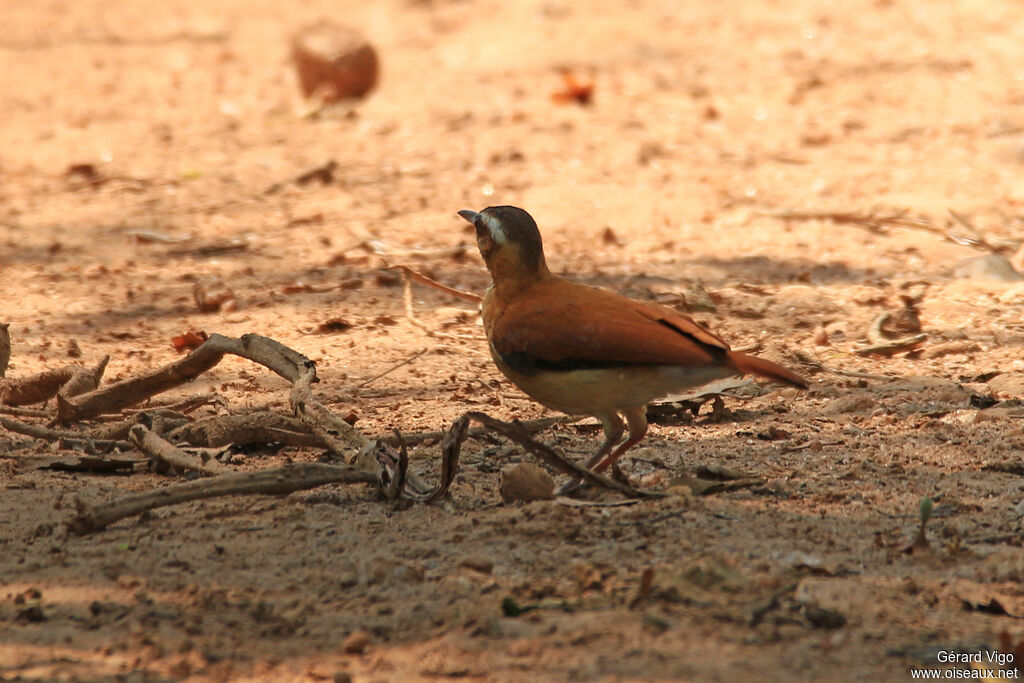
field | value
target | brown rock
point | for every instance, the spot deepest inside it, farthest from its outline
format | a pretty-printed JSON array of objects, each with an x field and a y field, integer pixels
[
  {"x": 387, "y": 569},
  {"x": 950, "y": 348},
  {"x": 991, "y": 267},
  {"x": 212, "y": 295},
  {"x": 333, "y": 61},
  {"x": 484, "y": 565},
  {"x": 525, "y": 482},
  {"x": 356, "y": 643},
  {"x": 1009, "y": 383},
  {"x": 851, "y": 403}
]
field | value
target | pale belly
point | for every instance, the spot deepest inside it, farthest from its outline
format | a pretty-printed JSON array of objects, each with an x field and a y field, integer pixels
[{"x": 596, "y": 391}]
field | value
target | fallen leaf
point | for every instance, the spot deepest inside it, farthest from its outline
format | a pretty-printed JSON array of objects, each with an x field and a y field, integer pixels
[
  {"x": 189, "y": 341},
  {"x": 580, "y": 93}
]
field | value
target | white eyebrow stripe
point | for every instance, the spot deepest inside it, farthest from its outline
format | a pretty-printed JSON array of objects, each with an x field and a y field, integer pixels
[{"x": 494, "y": 227}]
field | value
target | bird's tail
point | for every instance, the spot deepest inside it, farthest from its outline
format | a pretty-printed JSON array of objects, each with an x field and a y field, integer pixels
[{"x": 765, "y": 368}]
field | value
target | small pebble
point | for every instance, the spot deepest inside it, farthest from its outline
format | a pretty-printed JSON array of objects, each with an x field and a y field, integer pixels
[
  {"x": 525, "y": 482},
  {"x": 991, "y": 267},
  {"x": 356, "y": 643},
  {"x": 483, "y": 565},
  {"x": 334, "y": 62}
]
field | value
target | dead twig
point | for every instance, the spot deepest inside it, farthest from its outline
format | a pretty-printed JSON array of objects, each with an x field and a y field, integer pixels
[
  {"x": 423, "y": 279},
  {"x": 704, "y": 487},
  {"x": 451, "y": 447},
  {"x": 22, "y": 412},
  {"x": 278, "y": 481},
  {"x": 893, "y": 347},
  {"x": 153, "y": 445},
  {"x": 333, "y": 433},
  {"x": 91, "y": 464},
  {"x": 35, "y": 388},
  {"x": 876, "y": 222},
  {"x": 398, "y": 477},
  {"x": 552, "y": 458},
  {"x": 408, "y": 275},
  {"x": 376, "y": 246},
  {"x": 260, "y": 427},
  {"x": 114, "y": 397},
  {"x": 972, "y": 238},
  {"x": 531, "y": 426},
  {"x": 168, "y": 419},
  {"x": 875, "y": 334},
  {"x": 871, "y": 220},
  {"x": 392, "y": 368},
  {"x": 84, "y": 379},
  {"x": 186, "y": 406},
  {"x": 5, "y": 348},
  {"x": 881, "y": 345},
  {"x": 323, "y": 173},
  {"x": 64, "y": 435},
  {"x": 856, "y": 374}
]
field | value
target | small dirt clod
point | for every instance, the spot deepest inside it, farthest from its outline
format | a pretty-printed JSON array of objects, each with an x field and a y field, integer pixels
[
  {"x": 335, "y": 62},
  {"x": 526, "y": 482}
]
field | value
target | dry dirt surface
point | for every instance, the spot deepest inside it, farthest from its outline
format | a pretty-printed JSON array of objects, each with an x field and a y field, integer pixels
[{"x": 787, "y": 172}]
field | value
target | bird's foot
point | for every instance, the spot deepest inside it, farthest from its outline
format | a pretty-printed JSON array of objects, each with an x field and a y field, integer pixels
[
  {"x": 619, "y": 476},
  {"x": 572, "y": 486},
  {"x": 577, "y": 484}
]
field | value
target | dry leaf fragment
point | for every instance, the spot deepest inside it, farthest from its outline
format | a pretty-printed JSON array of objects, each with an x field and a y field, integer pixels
[
  {"x": 83, "y": 175},
  {"x": 773, "y": 433},
  {"x": 297, "y": 288},
  {"x": 213, "y": 295},
  {"x": 979, "y": 599},
  {"x": 334, "y": 325},
  {"x": 323, "y": 173},
  {"x": 5, "y": 348},
  {"x": 189, "y": 341},
  {"x": 580, "y": 93}
]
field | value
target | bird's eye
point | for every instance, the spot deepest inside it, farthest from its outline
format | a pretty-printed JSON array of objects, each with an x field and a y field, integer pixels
[{"x": 485, "y": 243}]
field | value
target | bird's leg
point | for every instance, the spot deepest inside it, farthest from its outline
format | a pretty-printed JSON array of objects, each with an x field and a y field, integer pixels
[
  {"x": 613, "y": 430},
  {"x": 636, "y": 420}
]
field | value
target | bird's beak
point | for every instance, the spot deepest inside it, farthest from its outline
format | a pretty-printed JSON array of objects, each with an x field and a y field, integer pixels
[{"x": 470, "y": 216}]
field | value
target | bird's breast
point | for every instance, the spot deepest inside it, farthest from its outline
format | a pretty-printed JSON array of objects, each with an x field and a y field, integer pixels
[{"x": 592, "y": 388}]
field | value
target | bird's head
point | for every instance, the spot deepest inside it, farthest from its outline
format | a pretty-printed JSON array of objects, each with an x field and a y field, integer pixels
[{"x": 510, "y": 243}]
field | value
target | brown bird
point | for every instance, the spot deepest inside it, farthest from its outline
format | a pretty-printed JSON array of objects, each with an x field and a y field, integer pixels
[{"x": 588, "y": 351}]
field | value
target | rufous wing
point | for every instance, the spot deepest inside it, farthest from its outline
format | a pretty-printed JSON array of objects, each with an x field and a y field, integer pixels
[{"x": 558, "y": 320}]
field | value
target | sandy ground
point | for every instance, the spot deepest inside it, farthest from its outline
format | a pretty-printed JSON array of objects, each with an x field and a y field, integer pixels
[{"x": 710, "y": 121}]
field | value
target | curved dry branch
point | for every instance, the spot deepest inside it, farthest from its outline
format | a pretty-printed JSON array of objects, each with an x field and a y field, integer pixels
[
  {"x": 65, "y": 435},
  {"x": 155, "y": 446},
  {"x": 129, "y": 392},
  {"x": 451, "y": 447},
  {"x": 551, "y": 457},
  {"x": 278, "y": 481},
  {"x": 5, "y": 347},
  {"x": 35, "y": 388},
  {"x": 259, "y": 427}
]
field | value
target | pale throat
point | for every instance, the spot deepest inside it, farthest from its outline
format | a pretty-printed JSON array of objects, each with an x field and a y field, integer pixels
[{"x": 494, "y": 227}]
